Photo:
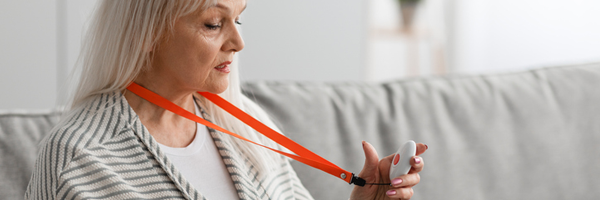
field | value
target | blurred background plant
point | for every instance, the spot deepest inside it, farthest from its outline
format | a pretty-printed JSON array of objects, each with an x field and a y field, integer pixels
[
  {"x": 409, "y": 1},
  {"x": 408, "y": 9}
]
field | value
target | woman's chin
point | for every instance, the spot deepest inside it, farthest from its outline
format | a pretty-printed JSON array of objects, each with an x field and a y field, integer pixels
[{"x": 218, "y": 89}]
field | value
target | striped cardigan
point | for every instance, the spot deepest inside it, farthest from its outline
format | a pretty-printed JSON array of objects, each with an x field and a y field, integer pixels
[{"x": 104, "y": 152}]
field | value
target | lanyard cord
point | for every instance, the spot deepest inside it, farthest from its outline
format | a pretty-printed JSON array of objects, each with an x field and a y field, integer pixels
[{"x": 301, "y": 153}]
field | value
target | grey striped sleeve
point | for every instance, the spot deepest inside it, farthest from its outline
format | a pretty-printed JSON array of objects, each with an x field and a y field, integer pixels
[{"x": 97, "y": 155}]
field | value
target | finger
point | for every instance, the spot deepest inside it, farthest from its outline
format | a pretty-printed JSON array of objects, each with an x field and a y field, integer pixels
[
  {"x": 406, "y": 180},
  {"x": 388, "y": 158},
  {"x": 384, "y": 167},
  {"x": 401, "y": 193},
  {"x": 371, "y": 161},
  {"x": 421, "y": 148},
  {"x": 417, "y": 164}
]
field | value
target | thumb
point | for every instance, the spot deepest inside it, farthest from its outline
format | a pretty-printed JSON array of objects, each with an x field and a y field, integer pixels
[{"x": 370, "y": 168}]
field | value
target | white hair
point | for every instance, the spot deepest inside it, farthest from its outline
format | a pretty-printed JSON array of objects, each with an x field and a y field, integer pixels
[{"x": 117, "y": 48}]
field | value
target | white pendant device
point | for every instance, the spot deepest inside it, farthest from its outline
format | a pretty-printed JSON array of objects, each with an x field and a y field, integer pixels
[{"x": 401, "y": 162}]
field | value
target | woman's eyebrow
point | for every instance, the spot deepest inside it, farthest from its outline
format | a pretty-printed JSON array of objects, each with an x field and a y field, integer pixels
[{"x": 229, "y": 9}]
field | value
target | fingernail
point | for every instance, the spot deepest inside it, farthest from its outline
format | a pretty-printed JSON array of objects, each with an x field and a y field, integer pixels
[
  {"x": 426, "y": 147},
  {"x": 391, "y": 192},
  {"x": 417, "y": 160},
  {"x": 397, "y": 182}
]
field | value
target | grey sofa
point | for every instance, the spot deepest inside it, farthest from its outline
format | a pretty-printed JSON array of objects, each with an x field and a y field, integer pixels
[{"x": 525, "y": 135}]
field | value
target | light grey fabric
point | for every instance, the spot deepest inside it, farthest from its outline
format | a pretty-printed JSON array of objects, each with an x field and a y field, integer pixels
[
  {"x": 20, "y": 133},
  {"x": 526, "y": 135}
]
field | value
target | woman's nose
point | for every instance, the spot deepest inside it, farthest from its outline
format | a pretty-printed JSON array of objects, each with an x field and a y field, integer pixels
[{"x": 234, "y": 41}]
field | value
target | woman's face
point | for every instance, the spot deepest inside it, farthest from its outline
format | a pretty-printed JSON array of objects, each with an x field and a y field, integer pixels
[{"x": 196, "y": 54}]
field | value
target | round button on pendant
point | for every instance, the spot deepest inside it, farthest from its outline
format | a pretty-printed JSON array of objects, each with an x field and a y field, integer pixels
[{"x": 396, "y": 159}]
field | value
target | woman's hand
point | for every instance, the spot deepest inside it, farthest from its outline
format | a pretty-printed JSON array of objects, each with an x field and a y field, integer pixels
[{"x": 377, "y": 171}]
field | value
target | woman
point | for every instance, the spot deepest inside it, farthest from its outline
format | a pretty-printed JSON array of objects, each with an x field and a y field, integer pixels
[{"x": 115, "y": 145}]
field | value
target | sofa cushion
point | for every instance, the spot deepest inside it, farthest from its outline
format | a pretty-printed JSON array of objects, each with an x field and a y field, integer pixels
[
  {"x": 20, "y": 133},
  {"x": 525, "y": 135}
]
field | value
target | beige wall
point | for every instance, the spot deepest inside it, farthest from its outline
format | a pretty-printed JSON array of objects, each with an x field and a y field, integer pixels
[
  {"x": 28, "y": 73},
  {"x": 311, "y": 40}
]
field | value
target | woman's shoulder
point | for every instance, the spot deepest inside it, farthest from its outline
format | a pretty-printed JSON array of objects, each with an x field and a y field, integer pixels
[
  {"x": 98, "y": 120},
  {"x": 99, "y": 132}
]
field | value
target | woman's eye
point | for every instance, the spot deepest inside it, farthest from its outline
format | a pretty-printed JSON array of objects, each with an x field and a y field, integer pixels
[
  {"x": 212, "y": 26},
  {"x": 238, "y": 22}
]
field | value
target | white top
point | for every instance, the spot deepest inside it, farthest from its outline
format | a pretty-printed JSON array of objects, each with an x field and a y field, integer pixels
[{"x": 201, "y": 165}]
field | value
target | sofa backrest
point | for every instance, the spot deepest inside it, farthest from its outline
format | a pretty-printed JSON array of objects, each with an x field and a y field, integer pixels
[
  {"x": 526, "y": 135},
  {"x": 20, "y": 133}
]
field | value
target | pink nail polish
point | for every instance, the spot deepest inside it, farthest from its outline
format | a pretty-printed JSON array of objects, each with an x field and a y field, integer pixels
[
  {"x": 417, "y": 160},
  {"x": 397, "y": 182},
  {"x": 391, "y": 192}
]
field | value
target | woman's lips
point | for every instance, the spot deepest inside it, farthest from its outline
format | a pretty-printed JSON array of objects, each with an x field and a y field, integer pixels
[{"x": 223, "y": 67}]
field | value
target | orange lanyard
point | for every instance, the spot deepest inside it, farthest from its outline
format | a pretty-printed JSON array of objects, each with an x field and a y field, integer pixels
[{"x": 301, "y": 153}]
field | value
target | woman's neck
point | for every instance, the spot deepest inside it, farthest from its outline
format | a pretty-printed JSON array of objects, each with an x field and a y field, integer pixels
[{"x": 166, "y": 127}]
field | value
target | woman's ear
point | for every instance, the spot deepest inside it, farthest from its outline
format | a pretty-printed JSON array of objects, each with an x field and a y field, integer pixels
[{"x": 148, "y": 48}]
